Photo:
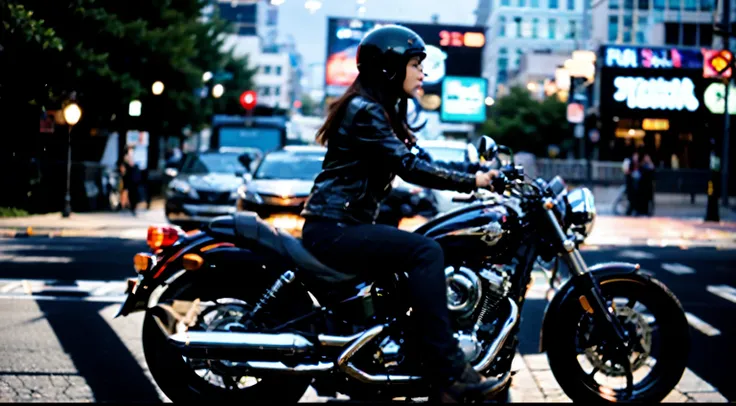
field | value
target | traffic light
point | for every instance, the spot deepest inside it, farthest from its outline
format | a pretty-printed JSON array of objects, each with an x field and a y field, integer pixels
[{"x": 717, "y": 63}]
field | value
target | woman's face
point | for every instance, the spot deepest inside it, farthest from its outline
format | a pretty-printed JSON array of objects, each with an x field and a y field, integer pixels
[{"x": 414, "y": 77}]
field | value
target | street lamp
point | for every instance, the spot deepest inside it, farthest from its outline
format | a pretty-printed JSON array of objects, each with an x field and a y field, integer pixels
[
  {"x": 206, "y": 76},
  {"x": 157, "y": 88},
  {"x": 217, "y": 91},
  {"x": 72, "y": 114}
]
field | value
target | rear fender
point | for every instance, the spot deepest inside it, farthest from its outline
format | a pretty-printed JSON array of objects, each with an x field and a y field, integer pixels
[
  {"x": 569, "y": 291},
  {"x": 223, "y": 263}
]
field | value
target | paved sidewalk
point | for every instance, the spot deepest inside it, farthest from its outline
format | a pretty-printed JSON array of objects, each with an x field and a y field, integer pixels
[{"x": 120, "y": 224}]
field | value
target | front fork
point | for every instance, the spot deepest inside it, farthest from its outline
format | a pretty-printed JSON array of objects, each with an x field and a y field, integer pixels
[{"x": 592, "y": 298}]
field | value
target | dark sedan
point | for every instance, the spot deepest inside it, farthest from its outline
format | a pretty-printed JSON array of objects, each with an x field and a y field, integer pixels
[
  {"x": 280, "y": 184},
  {"x": 205, "y": 186}
]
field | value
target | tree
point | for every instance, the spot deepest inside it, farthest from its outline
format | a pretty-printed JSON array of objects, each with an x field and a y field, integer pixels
[
  {"x": 108, "y": 53},
  {"x": 309, "y": 106},
  {"x": 524, "y": 124}
]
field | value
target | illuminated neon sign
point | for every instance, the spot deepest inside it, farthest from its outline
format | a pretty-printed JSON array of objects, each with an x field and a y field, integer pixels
[
  {"x": 656, "y": 93},
  {"x": 652, "y": 58}
]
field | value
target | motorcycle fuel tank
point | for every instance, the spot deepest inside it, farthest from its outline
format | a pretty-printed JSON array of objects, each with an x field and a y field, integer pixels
[{"x": 477, "y": 229}]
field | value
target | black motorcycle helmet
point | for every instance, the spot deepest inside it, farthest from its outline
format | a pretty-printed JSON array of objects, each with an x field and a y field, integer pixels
[{"x": 385, "y": 51}]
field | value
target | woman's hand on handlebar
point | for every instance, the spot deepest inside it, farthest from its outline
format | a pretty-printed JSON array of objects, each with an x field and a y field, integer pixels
[{"x": 483, "y": 180}]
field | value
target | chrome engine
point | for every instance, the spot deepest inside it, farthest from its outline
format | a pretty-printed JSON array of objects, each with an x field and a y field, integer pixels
[{"x": 471, "y": 298}]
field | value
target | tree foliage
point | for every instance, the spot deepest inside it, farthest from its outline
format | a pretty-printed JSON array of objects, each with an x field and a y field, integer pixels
[
  {"x": 525, "y": 124},
  {"x": 105, "y": 54}
]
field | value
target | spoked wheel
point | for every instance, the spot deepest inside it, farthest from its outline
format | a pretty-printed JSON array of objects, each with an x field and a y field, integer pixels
[
  {"x": 585, "y": 364},
  {"x": 185, "y": 379}
]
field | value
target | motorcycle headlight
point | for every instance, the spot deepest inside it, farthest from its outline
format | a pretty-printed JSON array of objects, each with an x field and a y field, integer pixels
[{"x": 581, "y": 209}]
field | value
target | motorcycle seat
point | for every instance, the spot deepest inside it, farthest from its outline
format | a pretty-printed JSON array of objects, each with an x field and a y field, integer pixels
[{"x": 246, "y": 228}]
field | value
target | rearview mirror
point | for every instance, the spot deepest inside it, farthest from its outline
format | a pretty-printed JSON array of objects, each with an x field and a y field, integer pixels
[{"x": 487, "y": 147}]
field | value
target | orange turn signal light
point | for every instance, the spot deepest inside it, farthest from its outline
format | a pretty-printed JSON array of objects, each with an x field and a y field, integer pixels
[
  {"x": 162, "y": 236},
  {"x": 143, "y": 262},
  {"x": 192, "y": 262}
]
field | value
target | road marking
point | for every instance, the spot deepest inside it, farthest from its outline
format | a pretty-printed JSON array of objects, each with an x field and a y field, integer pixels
[
  {"x": 40, "y": 247},
  {"x": 677, "y": 269},
  {"x": 11, "y": 286},
  {"x": 702, "y": 326},
  {"x": 102, "y": 299},
  {"x": 636, "y": 254},
  {"x": 724, "y": 291},
  {"x": 34, "y": 259}
]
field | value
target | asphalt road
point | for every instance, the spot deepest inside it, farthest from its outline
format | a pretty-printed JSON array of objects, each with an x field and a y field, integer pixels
[{"x": 59, "y": 341}]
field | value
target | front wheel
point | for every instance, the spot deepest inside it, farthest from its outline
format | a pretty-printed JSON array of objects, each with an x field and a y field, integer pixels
[{"x": 581, "y": 360}]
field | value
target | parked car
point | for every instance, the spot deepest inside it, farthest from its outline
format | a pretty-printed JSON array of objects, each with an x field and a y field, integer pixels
[
  {"x": 450, "y": 151},
  {"x": 280, "y": 184},
  {"x": 204, "y": 186}
]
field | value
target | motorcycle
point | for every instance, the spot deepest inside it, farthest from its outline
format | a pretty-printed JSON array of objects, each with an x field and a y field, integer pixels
[{"x": 239, "y": 310}]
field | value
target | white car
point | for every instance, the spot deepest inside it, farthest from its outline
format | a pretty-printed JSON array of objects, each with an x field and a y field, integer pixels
[{"x": 448, "y": 151}]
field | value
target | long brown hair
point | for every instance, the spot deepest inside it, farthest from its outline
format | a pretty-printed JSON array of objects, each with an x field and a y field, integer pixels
[{"x": 377, "y": 90}]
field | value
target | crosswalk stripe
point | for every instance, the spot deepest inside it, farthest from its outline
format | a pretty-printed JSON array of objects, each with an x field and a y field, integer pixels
[
  {"x": 11, "y": 286},
  {"x": 702, "y": 326},
  {"x": 724, "y": 291},
  {"x": 677, "y": 269}
]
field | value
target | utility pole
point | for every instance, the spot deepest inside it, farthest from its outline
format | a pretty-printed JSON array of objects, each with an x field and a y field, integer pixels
[{"x": 726, "y": 19}]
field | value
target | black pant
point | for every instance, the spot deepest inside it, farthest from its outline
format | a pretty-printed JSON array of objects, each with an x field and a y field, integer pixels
[{"x": 370, "y": 249}]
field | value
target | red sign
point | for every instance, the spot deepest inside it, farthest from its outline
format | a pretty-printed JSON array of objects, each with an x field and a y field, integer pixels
[
  {"x": 717, "y": 63},
  {"x": 248, "y": 99}
]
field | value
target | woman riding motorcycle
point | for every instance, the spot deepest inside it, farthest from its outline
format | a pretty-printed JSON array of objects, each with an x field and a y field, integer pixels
[{"x": 368, "y": 143}]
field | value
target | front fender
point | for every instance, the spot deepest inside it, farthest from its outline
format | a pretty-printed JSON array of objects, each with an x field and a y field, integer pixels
[
  {"x": 223, "y": 264},
  {"x": 568, "y": 291}
]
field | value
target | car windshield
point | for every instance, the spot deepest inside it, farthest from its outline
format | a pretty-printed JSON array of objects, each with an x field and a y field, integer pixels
[
  {"x": 213, "y": 163},
  {"x": 285, "y": 165},
  {"x": 446, "y": 154}
]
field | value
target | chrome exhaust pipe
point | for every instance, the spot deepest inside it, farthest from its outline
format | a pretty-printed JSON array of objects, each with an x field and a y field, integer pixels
[
  {"x": 343, "y": 362},
  {"x": 496, "y": 345},
  {"x": 238, "y": 346}
]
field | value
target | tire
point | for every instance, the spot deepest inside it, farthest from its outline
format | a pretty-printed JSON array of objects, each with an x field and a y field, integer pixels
[
  {"x": 671, "y": 359},
  {"x": 181, "y": 384}
]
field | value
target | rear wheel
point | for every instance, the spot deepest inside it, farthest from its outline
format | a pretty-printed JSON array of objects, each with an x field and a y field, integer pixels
[
  {"x": 186, "y": 380},
  {"x": 582, "y": 363}
]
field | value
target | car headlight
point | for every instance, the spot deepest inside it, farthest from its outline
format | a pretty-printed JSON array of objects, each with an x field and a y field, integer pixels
[
  {"x": 248, "y": 195},
  {"x": 184, "y": 188},
  {"x": 581, "y": 209}
]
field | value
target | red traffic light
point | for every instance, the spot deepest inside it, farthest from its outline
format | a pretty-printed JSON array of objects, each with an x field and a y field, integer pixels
[{"x": 248, "y": 99}]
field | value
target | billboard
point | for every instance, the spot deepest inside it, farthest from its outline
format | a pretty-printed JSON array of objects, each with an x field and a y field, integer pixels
[
  {"x": 463, "y": 99},
  {"x": 452, "y": 50}
]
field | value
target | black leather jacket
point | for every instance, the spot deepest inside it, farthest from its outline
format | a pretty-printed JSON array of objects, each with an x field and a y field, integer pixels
[{"x": 361, "y": 161}]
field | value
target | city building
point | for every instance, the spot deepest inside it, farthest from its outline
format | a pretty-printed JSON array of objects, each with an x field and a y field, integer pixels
[
  {"x": 278, "y": 64},
  {"x": 516, "y": 27},
  {"x": 654, "y": 22}
]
